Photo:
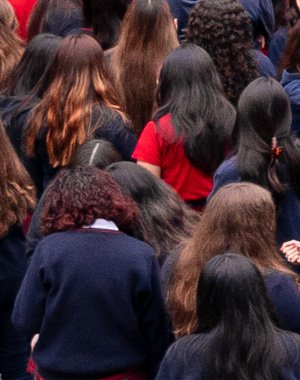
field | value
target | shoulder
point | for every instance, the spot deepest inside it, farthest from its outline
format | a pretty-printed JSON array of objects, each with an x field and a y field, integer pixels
[
  {"x": 228, "y": 170},
  {"x": 186, "y": 358}
]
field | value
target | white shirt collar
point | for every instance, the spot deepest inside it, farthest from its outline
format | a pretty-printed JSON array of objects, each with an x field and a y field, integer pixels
[{"x": 103, "y": 224}]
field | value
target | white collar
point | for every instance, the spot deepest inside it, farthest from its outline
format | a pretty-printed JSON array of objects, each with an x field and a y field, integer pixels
[{"x": 103, "y": 224}]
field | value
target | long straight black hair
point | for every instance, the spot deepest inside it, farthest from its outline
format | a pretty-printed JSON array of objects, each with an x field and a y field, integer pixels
[
  {"x": 233, "y": 307},
  {"x": 190, "y": 90},
  {"x": 264, "y": 120},
  {"x": 38, "y": 54}
]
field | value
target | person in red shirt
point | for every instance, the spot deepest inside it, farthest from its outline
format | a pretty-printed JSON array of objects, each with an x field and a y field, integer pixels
[
  {"x": 191, "y": 131},
  {"x": 23, "y": 10}
]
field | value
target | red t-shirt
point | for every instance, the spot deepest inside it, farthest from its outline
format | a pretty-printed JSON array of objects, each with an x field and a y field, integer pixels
[
  {"x": 23, "y": 10},
  {"x": 153, "y": 147}
]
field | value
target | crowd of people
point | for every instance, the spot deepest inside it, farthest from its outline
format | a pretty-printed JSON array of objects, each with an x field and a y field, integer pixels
[{"x": 149, "y": 189}]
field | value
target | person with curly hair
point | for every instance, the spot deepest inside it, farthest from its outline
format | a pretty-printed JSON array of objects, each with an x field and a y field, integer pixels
[
  {"x": 91, "y": 292},
  {"x": 223, "y": 29}
]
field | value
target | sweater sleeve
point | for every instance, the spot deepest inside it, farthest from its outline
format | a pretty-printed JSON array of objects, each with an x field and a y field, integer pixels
[
  {"x": 29, "y": 307},
  {"x": 285, "y": 296},
  {"x": 154, "y": 321},
  {"x": 148, "y": 147}
]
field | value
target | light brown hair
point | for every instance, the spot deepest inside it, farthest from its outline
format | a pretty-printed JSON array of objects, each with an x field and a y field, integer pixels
[
  {"x": 239, "y": 218},
  {"x": 78, "y": 81},
  {"x": 17, "y": 193},
  {"x": 11, "y": 46},
  {"x": 147, "y": 36}
]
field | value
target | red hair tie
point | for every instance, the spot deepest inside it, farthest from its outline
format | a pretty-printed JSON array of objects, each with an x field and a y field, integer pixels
[{"x": 276, "y": 150}]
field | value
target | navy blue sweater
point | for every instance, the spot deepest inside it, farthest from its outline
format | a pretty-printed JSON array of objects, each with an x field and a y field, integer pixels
[
  {"x": 94, "y": 296},
  {"x": 188, "y": 358},
  {"x": 288, "y": 213}
]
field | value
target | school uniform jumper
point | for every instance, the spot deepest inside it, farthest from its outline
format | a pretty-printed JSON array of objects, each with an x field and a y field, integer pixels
[{"x": 94, "y": 296}]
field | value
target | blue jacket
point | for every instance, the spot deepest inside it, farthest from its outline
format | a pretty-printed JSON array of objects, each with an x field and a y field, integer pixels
[
  {"x": 291, "y": 84},
  {"x": 95, "y": 298},
  {"x": 189, "y": 358},
  {"x": 265, "y": 66},
  {"x": 288, "y": 217}
]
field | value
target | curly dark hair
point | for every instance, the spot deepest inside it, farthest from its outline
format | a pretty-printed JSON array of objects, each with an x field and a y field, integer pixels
[
  {"x": 79, "y": 196},
  {"x": 224, "y": 30}
]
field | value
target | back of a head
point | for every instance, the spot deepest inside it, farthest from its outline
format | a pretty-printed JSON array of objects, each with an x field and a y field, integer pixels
[
  {"x": 99, "y": 153},
  {"x": 37, "y": 56},
  {"x": 147, "y": 36},
  {"x": 223, "y": 29},
  {"x": 266, "y": 146},
  {"x": 232, "y": 304},
  {"x": 263, "y": 111},
  {"x": 47, "y": 9},
  {"x": 77, "y": 81},
  {"x": 165, "y": 221},
  {"x": 80, "y": 195},
  {"x": 240, "y": 217},
  {"x": 191, "y": 91}
]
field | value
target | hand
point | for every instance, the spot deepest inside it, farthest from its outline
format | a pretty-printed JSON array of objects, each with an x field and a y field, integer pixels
[{"x": 291, "y": 250}]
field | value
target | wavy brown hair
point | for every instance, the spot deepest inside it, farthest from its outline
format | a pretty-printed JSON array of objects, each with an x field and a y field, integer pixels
[
  {"x": 78, "y": 80},
  {"x": 223, "y": 28},
  {"x": 147, "y": 36},
  {"x": 17, "y": 193},
  {"x": 79, "y": 196},
  {"x": 11, "y": 46},
  {"x": 239, "y": 218}
]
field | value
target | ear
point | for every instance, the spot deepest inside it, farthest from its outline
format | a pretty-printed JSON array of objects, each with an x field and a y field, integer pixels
[
  {"x": 176, "y": 22},
  {"x": 262, "y": 41}
]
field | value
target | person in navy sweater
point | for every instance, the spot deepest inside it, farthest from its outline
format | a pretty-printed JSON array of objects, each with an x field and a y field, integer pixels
[
  {"x": 237, "y": 336},
  {"x": 239, "y": 217},
  {"x": 181, "y": 10},
  {"x": 267, "y": 153},
  {"x": 16, "y": 198},
  {"x": 91, "y": 292}
]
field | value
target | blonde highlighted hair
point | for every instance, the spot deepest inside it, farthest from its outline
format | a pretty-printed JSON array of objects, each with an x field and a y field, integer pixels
[{"x": 78, "y": 81}]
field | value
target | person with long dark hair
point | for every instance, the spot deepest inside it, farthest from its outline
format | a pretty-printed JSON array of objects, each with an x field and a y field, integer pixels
[
  {"x": 92, "y": 292},
  {"x": 147, "y": 36},
  {"x": 228, "y": 43},
  {"x": 237, "y": 335},
  {"x": 164, "y": 220},
  {"x": 17, "y": 198},
  {"x": 79, "y": 104},
  {"x": 37, "y": 56},
  {"x": 57, "y": 17},
  {"x": 267, "y": 153},
  {"x": 191, "y": 131},
  {"x": 240, "y": 217}
]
